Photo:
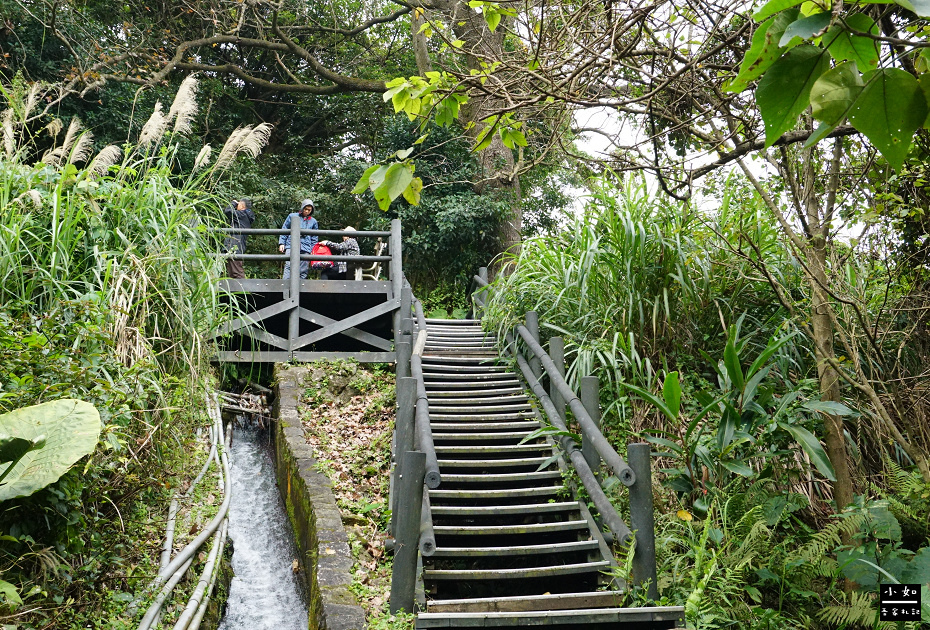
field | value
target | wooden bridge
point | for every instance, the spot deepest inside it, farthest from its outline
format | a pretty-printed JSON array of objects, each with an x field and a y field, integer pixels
[
  {"x": 488, "y": 523},
  {"x": 306, "y": 320}
]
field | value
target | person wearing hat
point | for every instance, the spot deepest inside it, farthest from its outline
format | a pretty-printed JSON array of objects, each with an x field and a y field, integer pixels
[
  {"x": 348, "y": 247},
  {"x": 239, "y": 214},
  {"x": 307, "y": 222}
]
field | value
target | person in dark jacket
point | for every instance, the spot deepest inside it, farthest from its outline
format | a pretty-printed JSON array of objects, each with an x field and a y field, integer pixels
[
  {"x": 307, "y": 222},
  {"x": 239, "y": 214},
  {"x": 348, "y": 247}
]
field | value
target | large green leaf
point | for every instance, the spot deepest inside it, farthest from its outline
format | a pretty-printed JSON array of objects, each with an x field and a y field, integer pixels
[
  {"x": 784, "y": 91},
  {"x": 774, "y": 6},
  {"x": 844, "y": 46},
  {"x": 805, "y": 28},
  {"x": 831, "y": 407},
  {"x": 70, "y": 427},
  {"x": 671, "y": 391},
  {"x": 920, "y": 7},
  {"x": 812, "y": 447},
  {"x": 889, "y": 110},
  {"x": 833, "y": 97},
  {"x": 764, "y": 50}
]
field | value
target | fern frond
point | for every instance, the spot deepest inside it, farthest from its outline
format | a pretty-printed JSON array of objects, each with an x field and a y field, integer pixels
[{"x": 858, "y": 609}]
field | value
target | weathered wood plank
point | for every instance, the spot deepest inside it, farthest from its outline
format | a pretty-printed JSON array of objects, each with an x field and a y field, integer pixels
[
  {"x": 365, "y": 337},
  {"x": 255, "y": 317},
  {"x": 349, "y": 322}
]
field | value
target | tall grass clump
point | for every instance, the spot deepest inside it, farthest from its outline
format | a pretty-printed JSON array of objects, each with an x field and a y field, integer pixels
[
  {"x": 635, "y": 283},
  {"x": 108, "y": 292}
]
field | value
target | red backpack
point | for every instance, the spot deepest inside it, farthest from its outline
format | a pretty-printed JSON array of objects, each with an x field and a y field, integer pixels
[{"x": 320, "y": 250}]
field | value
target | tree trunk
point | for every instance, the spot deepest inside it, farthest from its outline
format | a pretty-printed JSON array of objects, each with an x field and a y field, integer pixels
[
  {"x": 496, "y": 161},
  {"x": 818, "y": 228}
]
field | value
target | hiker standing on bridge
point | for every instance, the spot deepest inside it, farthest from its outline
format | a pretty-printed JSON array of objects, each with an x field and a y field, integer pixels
[
  {"x": 240, "y": 216},
  {"x": 348, "y": 247},
  {"x": 307, "y": 222}
]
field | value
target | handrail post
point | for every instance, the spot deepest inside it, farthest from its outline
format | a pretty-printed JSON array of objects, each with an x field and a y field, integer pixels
[
  {"x": 403, "y": 436},
  {"x": 479, "y": 310},
  {"x": 406, "y": 549},
  {"x": 397, "y": 273},
  {"x": 532, "y": 325},
  {"x": 404, "y": 347},
  {"x": 642, "y": 519},
  {"x": 293, "y": 322},
  {"x": 590, "y": 398},
  {"x": 557, "y": 354}
]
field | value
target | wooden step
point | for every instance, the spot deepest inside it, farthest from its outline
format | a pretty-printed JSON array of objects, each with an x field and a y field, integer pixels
[
  {"x": 515, "y": 574},
  {"x": 505, "y": 493},
  {"x": 559, "y": 601},
  {"x": 503, "y": 477},
  {"x": 528, "y": 509},
  {"x": 484, "y": 426},
  {"x": 492, "y": 449},
  {"x": 504, "y": 530},
  {"x": 647, "y": 618},
  {"x": 491, "y": 463},
  {"x": 455, "y": 395},
  {"x": 516, "y": 550}
]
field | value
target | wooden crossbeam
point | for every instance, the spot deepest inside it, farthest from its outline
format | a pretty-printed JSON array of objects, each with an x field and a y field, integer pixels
[
  {"x": 345, "y": 324},
  {"x": 267, "y": 337},
  {"x": 254, "y": 318},
  {"x": 281, "y": 356},
  {"x": 355, "y": 333}
]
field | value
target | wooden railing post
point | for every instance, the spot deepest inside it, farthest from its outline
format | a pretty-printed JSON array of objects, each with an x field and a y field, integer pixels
[
  {"x": 642, "y": 520},
  {"x": 406, "y": 549},
  {"x": 293, "y": 322},
  {"x": 397, "y": 273},
  {"x": 532, "y": 325},
  {"x": 479, "y": 310},
  {"x": 591, "y": 399},
  {"x": 403, "y": 435},
  {"x": 557, "y": 354},
  {"x": 404, "y": 347}
]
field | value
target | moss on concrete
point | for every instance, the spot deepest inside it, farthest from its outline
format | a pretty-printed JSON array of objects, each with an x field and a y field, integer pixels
[{"x": 323, "y": 548}]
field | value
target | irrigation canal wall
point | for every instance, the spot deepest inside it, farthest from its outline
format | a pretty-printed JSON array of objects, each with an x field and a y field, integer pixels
[{"x": 322, "y": 543}]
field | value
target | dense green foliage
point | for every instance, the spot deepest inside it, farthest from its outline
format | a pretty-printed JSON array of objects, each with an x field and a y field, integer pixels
[
  {"x": 688, "y": 318},
  {"x": 108, "y": 290}
]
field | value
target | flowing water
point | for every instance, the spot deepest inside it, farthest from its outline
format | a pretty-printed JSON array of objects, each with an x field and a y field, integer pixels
[{"x": 264, "y": 594}]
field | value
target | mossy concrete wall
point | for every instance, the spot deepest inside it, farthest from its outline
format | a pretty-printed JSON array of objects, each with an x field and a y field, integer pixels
[{"x": 322, "y": 544}]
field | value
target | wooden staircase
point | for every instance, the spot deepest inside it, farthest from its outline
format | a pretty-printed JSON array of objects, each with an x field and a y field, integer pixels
[{"x": 514, "y": 547}]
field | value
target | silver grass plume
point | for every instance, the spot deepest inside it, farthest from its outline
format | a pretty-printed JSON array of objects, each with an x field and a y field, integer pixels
[
  {"x": 244, "y": 140},
  {"x": 231, "y": 146},
  {"x": 256, "y": 140},
  {"x": 82, "y": 148},
  {"x": 32, "y": 99},
  {"x": 203, "y": 158},
  {"x": 184, "y": 107},
  {"x": 107, "y": 157},
  {"x": 32, "y": 195},
  {"x": 54, "y": 128},
  {"x": 154, "y": 127},
  {"x": 56, "y": 155},
  {"x": 9, "y": 138}
]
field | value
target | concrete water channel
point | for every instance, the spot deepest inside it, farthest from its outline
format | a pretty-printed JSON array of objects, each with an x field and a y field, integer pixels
[{"x": 264, "y": 593}]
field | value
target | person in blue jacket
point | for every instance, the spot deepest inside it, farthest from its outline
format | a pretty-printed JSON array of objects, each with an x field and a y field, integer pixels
[{"x": 307, "y": 222}]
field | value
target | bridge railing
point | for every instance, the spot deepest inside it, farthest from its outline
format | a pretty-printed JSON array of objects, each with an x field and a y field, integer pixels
[{"x": 585, "y": 408}]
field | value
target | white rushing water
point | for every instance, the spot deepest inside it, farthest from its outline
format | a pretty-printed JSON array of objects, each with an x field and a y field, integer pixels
[{"x": 264, "y": 594}]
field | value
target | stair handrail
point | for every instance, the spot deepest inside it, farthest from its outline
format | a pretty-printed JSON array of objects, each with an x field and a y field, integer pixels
[
  {"x": 424, "y": 433},
  {"x": 608, "y": 512},
  {"x": 588, "y": 427}
]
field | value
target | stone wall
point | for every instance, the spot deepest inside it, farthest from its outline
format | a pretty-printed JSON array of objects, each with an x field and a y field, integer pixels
[{"x": 322, "y": 543}]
